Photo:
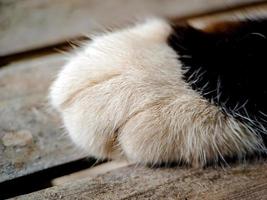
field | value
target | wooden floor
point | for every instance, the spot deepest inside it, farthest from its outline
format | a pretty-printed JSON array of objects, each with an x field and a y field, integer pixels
[
  {"x": 32, "y": 141},
  {"x": 240, "y": 182}
]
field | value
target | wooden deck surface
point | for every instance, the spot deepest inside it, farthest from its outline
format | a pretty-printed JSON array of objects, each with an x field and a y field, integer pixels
[
  {"x": 31, "y": 138},
  {"x": 31, "y": 24},
  {"x": 246, "y": 182}
]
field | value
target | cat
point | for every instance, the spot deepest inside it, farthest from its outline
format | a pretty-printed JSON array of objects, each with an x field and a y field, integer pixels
[{"x": 161, "y": 93}]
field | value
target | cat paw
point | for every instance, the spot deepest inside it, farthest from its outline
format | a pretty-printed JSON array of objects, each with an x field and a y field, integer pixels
[{"x": 123, "y": 96}]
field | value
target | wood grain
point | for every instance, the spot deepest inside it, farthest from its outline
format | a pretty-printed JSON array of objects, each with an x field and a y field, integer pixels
[
  {"x": 90, "y": 172},
  {"x": 24, "y": 112},
  {"x": 30, "y": 24},
  {"x": 238, "y": 182}
]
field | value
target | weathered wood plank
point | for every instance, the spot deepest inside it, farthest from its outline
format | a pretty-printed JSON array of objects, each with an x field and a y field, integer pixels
[
  {"x": 30, "y": 135},
  {"x": 239, "y": 182},
  {"x": 30, "y": 24},
  {"x": 206, "y": 23},
  {"x": 90, "y": 172}
]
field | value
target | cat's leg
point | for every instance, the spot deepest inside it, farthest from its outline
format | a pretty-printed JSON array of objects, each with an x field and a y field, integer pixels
[{"x": 124, "y": 95}]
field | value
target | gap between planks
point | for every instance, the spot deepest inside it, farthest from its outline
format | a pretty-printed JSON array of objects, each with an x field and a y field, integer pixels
[
  {"x": 198, "y": 20},
  {"x": 246, "y": 182},
  {"x": 91, "y": 172},
  {"x": 29, "y": 25}
]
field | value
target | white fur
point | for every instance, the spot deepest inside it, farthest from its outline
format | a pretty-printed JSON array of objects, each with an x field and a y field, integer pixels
[{"x": 123, "y": 96}]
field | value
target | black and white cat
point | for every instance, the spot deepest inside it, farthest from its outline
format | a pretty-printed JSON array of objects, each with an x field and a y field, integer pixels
[{"x": 157, "y": 93}]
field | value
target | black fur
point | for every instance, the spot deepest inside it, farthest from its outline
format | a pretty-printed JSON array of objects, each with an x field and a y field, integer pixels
[{"x": 233, "y": 64}]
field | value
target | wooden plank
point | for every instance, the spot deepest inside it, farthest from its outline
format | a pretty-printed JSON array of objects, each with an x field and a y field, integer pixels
[
  {"x": 30, "y": 134},
  {"x": 238, "y": 182},
  {"x": 207, "y": 23},
  {"x": 90, "y": 172},
  {"x": 30, "y": 24}
]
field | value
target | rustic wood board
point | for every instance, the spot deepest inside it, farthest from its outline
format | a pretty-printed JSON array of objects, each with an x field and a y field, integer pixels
[
  {"x": 258, "y": 11},
  {"x": 30, "y": 134},
  {"x": 239, "y": 182},
  {"x": 90, "y": 172},
  {"x": 30, "y": 24}
]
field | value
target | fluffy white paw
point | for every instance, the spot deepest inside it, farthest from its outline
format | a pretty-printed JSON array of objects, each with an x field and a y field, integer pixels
[{"x": 124, "y": 95}]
